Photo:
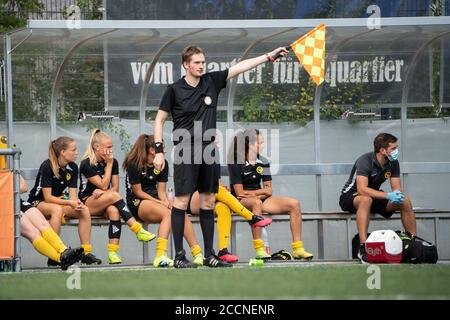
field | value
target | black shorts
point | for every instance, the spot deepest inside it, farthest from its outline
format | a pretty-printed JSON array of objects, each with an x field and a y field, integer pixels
[
  {"x": 133, "y": 204},
  {"x": 35, "y": 203},
  {"x": 191, "y": 177},
  {"x": 378, "y": 205},
  {"x": 24, "y": 206},
  {"x": 84, "y": 199}
]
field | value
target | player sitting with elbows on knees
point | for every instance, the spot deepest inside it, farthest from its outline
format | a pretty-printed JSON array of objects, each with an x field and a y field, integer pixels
[
  {"x": 147, "y": 199},
  {"x": 362, "y": 194},
  {"x": 99, "y": 190}
]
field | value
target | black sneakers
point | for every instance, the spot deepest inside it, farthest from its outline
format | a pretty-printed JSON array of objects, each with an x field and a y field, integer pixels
[
  {"x": 69, "y": 257},
  {"x": 362, "y": 254},
  {"x": 180, "y": 261},
  {"x": 259, "y": 221},
  {"x": 53, "y": 263},
  {"x": 214, "y": 262},
  {"x": 90, "y": 259}
]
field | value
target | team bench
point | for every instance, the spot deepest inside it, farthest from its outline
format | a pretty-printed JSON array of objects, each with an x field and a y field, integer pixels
[{"x": 320, "y": 217}]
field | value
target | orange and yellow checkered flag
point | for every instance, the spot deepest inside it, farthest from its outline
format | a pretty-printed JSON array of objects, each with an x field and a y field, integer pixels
[{"x": 310, "y": 51}]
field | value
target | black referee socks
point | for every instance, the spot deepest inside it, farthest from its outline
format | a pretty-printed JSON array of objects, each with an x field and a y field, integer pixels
[{"x": 178, "y": 228}]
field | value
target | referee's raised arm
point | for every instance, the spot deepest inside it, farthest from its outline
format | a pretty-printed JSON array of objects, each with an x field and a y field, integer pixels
[
  {"x": 248, "y": 64},
  {"x": 161, "y": 117}
]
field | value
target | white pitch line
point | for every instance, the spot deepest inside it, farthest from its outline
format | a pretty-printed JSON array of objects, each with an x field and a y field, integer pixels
[{"x": 241, "y": 265}]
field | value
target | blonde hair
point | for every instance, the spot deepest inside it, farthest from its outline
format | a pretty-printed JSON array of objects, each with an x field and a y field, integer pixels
[
  {"x": 96, "y": 136},
  {"x": 54, "y": 150}
]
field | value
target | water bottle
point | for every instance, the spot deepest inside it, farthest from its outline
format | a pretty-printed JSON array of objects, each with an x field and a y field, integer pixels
[
  {"x": 265, "y": 238},
  {"x": 170, "y": 194},
  {"x": 256, "y": 263}
]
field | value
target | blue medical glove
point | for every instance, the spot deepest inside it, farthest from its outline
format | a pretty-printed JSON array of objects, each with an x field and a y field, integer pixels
[{"x": 396, "y": 197}]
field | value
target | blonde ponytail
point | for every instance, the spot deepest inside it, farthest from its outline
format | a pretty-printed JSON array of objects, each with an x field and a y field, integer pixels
[{"x": 96, "y": 136}]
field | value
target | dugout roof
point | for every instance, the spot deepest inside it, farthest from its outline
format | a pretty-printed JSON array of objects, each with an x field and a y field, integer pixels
[{"x": 394, "y": 64}]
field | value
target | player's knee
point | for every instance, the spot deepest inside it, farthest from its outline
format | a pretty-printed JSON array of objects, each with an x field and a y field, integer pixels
[
  {"x": 112, "y": 213},
  {"x": 181, "y": 202},
  {"x": 209, "y": 204},
  {"x": 407, "y": 201},
  {"x": 85, "y": 213},
  {"x": 294, "y": 205},
  {"x": 42, "y": 224},
  {"x": 57, "y": 212},
  {"x": 32, "y": 233},
  {"x": 365, "y": 201},
  {"x": 257, "y": 205},
  {"x": 114, "y": 196}
]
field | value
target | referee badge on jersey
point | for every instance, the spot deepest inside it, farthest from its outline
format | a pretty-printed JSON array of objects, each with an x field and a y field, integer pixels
[
  {"x": 387, "y": 174},
  {"x": 156, "y": 171},
  {"x": 207, "y": 100},
  {"x": 259, "y": 169},
  {"x": 68, "y": 176}
]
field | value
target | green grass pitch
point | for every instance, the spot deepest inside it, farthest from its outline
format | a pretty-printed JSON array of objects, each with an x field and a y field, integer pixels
[{"x": 277, "y": 281}]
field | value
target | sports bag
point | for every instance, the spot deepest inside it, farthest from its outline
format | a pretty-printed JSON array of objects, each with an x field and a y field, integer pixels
[{"x": 417, "y": 250}]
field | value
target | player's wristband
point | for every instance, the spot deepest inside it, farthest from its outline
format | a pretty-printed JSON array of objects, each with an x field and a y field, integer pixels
[{"x": 159, "y": 147}]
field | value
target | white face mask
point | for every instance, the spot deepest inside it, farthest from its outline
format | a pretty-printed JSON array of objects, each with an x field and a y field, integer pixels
[{"x": 393, "y": 155}]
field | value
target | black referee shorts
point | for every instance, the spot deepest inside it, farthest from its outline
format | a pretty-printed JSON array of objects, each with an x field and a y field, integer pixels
[
  {"x": 378, "y": 205},
  {"x": 202, "y": 177}
]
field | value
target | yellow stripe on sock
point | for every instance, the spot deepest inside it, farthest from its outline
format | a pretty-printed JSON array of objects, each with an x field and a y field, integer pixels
[
  {"x": 297, "y": 245},
  {"x": 224, "y": 196},
  {"x": 161, "y": 246},
  {"x": 43, "y": 247},
  {"x": 136, "y": 227},
  {"x": 257, "y": 244},
  {"x": 54, "y": 240},
  {"x": 114, "y": 247},
  {"x": 195, "y": 250}
]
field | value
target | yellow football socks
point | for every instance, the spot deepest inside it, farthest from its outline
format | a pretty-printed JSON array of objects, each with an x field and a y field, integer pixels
[
  {"x": 195, "y": 250},
  {"x": 54, "y": 240},
  {"x": 161, "y": 246},
  {"x": 257, "y": 244},
  {"x": 224, "y": 196},
  {"x": 87, "y": 248},
  {"x": 43, "y": 247},
  {"x": 223, "y": 224},
  {"x": 297, "y": 245},
  {"x": 136, "y": 227},
  {"x": 113, "y": 247}
]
